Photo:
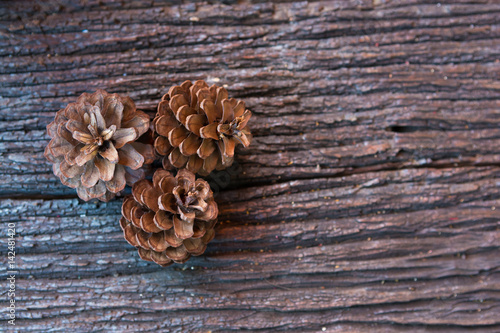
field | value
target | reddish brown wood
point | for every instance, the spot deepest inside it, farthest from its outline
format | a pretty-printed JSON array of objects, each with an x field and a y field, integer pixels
[{"x": 368, "y": 200}]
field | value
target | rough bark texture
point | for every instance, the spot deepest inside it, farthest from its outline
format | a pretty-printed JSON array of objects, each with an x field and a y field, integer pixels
[{"x": 368, "y": 201}]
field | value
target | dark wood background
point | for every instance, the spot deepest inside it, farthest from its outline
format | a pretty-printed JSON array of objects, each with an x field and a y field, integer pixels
[{"x": 368, "y": 201}]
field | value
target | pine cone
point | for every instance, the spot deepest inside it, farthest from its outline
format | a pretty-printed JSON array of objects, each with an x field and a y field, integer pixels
[
  {"x": 171, "y": 218},
  {"x": 96, "y": 145},
  {"x": 198, "y": 127}
]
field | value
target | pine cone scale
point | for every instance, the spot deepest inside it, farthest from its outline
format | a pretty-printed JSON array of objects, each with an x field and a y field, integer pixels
[
  {"x": 162, "y": 220},
  {"x": 127, "y": 205},
  {"x": 164, "y": 124},
  {"x": 209, "y": 131},
  {"x": 210, "y": 110},
  {"x": 199, "y": 230},
  {"x": 162, "y": 145},
  {"x": 171, "y": 238},
  {"x": 114, "y": 111},
  {"x": 157, "y": 242},
  {"x": 177, "y": 101},
  {"x": 65, "y": 134},
  {"x": 147, "y": 223},
  {"x": 130, "y": 157},
  {"x": 140, "y": 123},
  {"x": 176, "y": 159},
  {"x": 57, "y": 147},
  {"x": 98, "y": 190},
  {"x": 72, "y": 154},
  {"x": 227, "y": 111},
  {"x": 167, "y": 184},
  {"x": 167, "y": 203},
  {"x": 195, "y": 122},
  {"x": 142, "y": 239},
  {"x": 106, "y": 169},
  {"x": 129, "y": 110},
  {"x": 195, "y": 246},
  {"x": 184, "y": 112},
  {"x": 209, "y": 235},
  {"x": 178, "y": 254},
  {"x": 75, "y": 126},
  {"x": 79, "y": 136},
  {"x": 207, "y": 147},
  {"x": 118, "y": 182},
  {"x": 210, "y": 163},
  {"x": 145, "y": 149},
  {"x": 194, "y": 163},
  {"x": 122, "y": 136},
  {"x": 190, "y": 145},
  {"x": 182, "y": 227},
  {"x": 177, "y": 135},
  {"x": 70, "y": 171},
  {"x": 110, "y": 153},
  {"x": 136, "y": 215},
  {"x": 90, "y": 177}
]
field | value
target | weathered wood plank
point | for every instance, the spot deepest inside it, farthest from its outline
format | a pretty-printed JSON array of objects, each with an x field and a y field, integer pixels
[
  {"x": 368, "y": 200},
  {"x": 331, "y": 143},
  {"x": 364, "y": 246},
  {"x": 381, "y": 96}
]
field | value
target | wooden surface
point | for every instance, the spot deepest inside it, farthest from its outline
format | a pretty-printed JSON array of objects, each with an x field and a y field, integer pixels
[{"x": 368, "y": 201}]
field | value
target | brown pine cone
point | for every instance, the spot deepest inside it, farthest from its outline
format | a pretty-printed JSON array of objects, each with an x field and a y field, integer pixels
[
  {"x": 198, "y": 127},
  {"x": 96, "y": 145},
  {"x": 171, "y": 218}
]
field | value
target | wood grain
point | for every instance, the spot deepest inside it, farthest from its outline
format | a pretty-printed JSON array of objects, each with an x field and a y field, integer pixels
[{"x": 367, "y": 202}]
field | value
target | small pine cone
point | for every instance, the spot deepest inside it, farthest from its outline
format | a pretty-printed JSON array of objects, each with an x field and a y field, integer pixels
[
  {"x": 171, "y": 218},
  {"x": 198, "y": 127},
  {"x": 98, "y": 145}
]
